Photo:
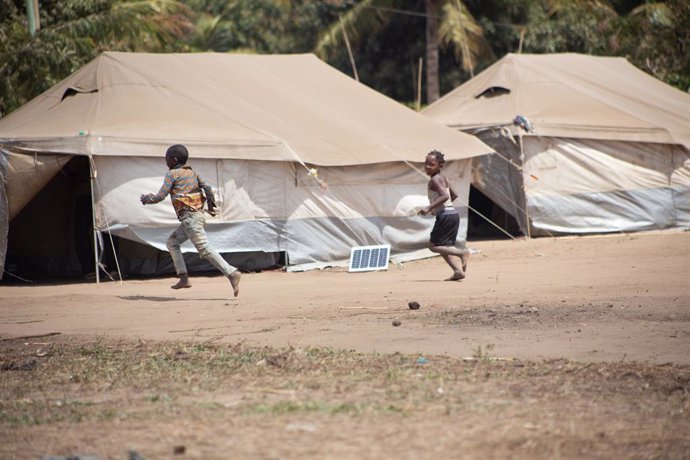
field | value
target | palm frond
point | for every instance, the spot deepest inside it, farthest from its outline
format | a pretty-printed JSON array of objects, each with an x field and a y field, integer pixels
[
  {"x": 364, "y": 18},
  {"x": 461, "y": 31},
  {"x": 212, "y": 33},
  {"x": 128, "y": 22},
  {"x": 656, "y": 13},
  {"x": 595, "y": 6}
]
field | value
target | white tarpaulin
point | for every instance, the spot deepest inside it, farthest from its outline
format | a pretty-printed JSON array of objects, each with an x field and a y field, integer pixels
[
  {"x": 275, "y": 207},
  {"x": 600, "y": 186}
]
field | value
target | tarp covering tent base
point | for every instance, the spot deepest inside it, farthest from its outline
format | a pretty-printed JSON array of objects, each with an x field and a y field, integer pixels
[
  {"x": 256, "y": 126},
  {"x": 600, "y": 145}
]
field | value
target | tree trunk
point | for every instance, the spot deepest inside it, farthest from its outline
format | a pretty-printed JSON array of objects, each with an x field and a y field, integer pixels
[{"x": 432, "y": 42}]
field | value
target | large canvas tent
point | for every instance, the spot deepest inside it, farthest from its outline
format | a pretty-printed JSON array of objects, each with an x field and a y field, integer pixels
[
  {"x": 255, "y": 127},
  {"x": 597, "y": 146}
]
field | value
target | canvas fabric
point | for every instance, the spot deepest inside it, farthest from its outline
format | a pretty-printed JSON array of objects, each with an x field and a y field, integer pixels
[
  {"x": 569, "y": 95},
  {"x": 565, "y": 186},
  {"x": 227, "y": 106},
  {"x": 279, "y": 207}
]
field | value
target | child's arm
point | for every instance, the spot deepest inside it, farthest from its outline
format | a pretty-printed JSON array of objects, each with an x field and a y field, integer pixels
[
  {"x": 150, "y": 198},
  {"x": 453, "y": 193},
  {"x": 208, "y": 192}
]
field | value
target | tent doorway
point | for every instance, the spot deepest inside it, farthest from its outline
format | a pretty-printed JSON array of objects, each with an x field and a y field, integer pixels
[
  {"x": 477, "y": 226},
  {"x": 52, "y": 236}
]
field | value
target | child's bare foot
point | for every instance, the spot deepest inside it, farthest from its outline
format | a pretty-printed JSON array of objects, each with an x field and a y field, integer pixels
[
  {"x": 182, "y": 284},
  {"x": 457, "y": 276},
  {"x": 234, "y": 278}
]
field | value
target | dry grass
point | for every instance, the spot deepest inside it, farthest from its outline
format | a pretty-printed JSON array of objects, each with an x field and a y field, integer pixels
[{"x": 55, "y": 391}]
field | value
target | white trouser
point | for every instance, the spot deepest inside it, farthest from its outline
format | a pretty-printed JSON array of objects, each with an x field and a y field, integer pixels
[{"x": 192, "y": 228}]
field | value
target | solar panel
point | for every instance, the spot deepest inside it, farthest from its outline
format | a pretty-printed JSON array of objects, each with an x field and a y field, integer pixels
[{"x": 368, "y": 258}]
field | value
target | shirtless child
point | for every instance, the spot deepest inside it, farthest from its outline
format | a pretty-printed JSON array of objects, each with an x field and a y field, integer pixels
[{"x": 445, "y": 231}]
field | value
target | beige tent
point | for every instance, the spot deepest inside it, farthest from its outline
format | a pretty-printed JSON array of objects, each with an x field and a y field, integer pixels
[
  {"x": 255, "y": 126},
  {"x": 605, "y": 147}
]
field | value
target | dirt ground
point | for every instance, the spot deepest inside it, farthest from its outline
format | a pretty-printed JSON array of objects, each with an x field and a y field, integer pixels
[{"x": 551, "y": 348}]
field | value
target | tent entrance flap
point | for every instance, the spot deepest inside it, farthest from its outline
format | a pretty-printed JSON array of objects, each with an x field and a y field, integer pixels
[
  {"x": 479, "y": 228},
  {"x": 23, "y": 175},
  {"x": 51, "y": 236},
  {"x": 26, "y": 175}
]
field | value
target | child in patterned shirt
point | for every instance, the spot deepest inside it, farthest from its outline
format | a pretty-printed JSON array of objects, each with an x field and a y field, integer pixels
[{"x": 185, "y": 188}]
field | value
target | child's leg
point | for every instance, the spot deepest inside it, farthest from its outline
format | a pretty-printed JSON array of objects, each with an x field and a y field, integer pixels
[
  {"x": 194, "y": 226},
  {"x": 173, "y": 244},
  {"x": 456, "y": 264},
  {"x": 463, "y": 254},
  {"x": 448, "y": 250},
  {"x": 442, "y": 241},
  {"x": 453, "y": 257},
  {"x": 465, "y": 257}
]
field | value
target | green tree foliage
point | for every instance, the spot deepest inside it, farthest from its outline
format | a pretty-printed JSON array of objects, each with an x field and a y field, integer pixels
[
  {"x": 446, "y": 22},
  {"x": 72, "y": 32},
  {"x": 557, "y": 26},
  {"x": 460, "y": 31},
  {"x": 386, "y": 46},
  {"x": 656, "y": 37},
  {"x": 261, "y": 26}
]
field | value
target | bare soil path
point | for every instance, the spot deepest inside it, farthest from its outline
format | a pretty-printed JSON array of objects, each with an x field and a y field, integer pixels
[{"x": 608, "y": 298}]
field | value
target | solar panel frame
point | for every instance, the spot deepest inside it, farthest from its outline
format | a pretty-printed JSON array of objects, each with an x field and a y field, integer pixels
[{"x": 369, "y": 258}]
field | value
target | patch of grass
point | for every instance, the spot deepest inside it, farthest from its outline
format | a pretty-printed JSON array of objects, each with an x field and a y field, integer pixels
[
  {"x": 211, "y": 405},
  {"x": 485, "y": 356},
  {"x": 159, "y": 398},
  {"x": 40, "y": 412},
  {"x": 108, "y": 380},
  {"x": 322, "y": 407}
]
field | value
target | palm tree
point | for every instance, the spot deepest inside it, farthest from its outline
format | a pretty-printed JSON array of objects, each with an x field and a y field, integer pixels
[{"x": 448, "y": 23}]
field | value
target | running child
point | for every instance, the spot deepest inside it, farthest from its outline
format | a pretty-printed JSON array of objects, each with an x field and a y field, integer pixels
[
  {"x": 443, "y": 235},
  {"x": 185, "y": 187}
]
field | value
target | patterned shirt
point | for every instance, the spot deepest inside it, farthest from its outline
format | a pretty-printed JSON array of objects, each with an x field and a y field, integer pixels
[{"x": 184, "y": 186}]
